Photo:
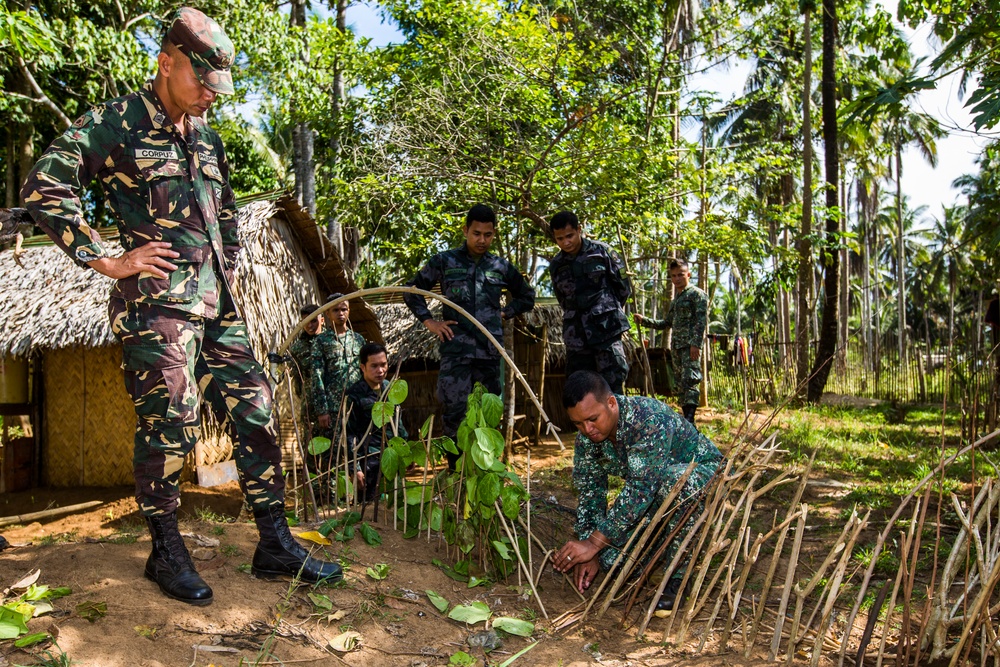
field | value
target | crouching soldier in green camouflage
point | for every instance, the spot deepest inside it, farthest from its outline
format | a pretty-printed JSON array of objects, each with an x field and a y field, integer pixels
[
  {"x": 587, "y": 280},
  {"x": 474, "y": 279},
  {"x": 364, "y": 439},
  {"x": 687, "y": 315},
  {"x": 649, "y": 446},
  {"x": 166, "y": 181}
]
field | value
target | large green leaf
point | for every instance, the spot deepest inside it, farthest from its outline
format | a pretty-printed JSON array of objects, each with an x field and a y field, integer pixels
[
  {"x": 398, "y": 391},
  {"x": 489, "y": 489},
  {"x": 502, "y": 549},
  {"x": 513, "y": 626},
  {"x": 492, "y": 408},
  {"x": 319, "y": 445},
  {"x": 401, "y": 446},
  {"x": 447, "y": 444},
  {"x": 389, "y": 464},
  {"x": 370, "y": 535},
  {"x": 490, "y": 440},
  {"x": 483, "y": 458},
  {"x": 439, "y": 602},
  {"x": 477, "y": 612},
  {"x": 510, "y": 502},
  {"x": 382, "y": 412}
]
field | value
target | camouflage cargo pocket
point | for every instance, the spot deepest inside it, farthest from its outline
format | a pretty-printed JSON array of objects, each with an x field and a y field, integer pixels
[
  {"x": 156, "y": 376},
  {"x": 167, "y": 195}
]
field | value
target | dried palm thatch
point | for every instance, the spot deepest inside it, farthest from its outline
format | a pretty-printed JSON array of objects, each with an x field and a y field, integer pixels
[{"x": 748, "y": 580}]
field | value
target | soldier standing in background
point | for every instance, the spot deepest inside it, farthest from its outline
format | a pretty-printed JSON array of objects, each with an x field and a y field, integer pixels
[
  {"x": 649, "y": 446},
  {"x": 308, "y": 373},
  {"x": 338, "y": 348},
  {"x": 166, "y": 181},
  {"x": 474, "y": 279},
  {"x": 687, "y": 316},
  {"x": 588, "y": 282}
]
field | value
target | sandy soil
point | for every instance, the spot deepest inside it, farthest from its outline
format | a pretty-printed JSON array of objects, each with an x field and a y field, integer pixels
[{"x": 100, "y": 553}]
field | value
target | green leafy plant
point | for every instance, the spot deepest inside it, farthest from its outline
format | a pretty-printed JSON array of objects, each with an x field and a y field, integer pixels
[
  {"x": 18, "y": 608},
  {"x": 379, "y": 571}
]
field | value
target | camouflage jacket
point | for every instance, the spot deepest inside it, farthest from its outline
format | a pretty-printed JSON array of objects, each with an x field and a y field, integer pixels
[
  {"x": 338, "y": 355},
  {"x": 592, "y": 292},
  {"x": 307, "y": 374},
  {"x": 655, "y": 446},
  {"x": 360, "y": 399},
  {"x": 687, "y": 315},
  {"x": 161, "y": 182},
  {"x": 476, "y": 286}
]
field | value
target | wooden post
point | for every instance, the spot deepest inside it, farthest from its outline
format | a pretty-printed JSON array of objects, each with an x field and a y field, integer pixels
[{"x": 541, "y": 384}]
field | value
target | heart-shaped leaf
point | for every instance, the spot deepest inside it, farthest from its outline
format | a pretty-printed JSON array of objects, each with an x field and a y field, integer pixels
[
  {"x": 398, "y": 391},
  {"x": 513, "y": 626},
  {"x": 477, "y": 612},
  {"x": 347, "y": 642},
  {"x": 439, "y": 602},
  {"x": 492, "y": 409},
  {"x": 319, "y": 445}
]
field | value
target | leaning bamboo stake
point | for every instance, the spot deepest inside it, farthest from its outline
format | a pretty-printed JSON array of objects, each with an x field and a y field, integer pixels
[
  {"x": 44, "y": 514},
  {"x": 800, "y": 529},
  {"x": 551, "y": 428},
  {"x": 520, "y": 561},
  {"x": 892, "y": 602},
  {"x": 301, "y": 449}
]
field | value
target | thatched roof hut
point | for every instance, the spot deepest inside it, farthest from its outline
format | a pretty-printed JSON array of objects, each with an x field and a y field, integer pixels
[{"x": 56, "y": 313}]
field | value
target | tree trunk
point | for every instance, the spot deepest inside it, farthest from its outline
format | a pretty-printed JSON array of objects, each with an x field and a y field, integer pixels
[
  {"x": 10, "y": 171},
  {"x": 333, "y": 230},
  {"x": 843, "y": 321},
  {"x": 804, "y": 245},
  {"x": 828, "y": 329},
  {"x": 900, "y": 249},
  {"x": 302, "y": 136}
]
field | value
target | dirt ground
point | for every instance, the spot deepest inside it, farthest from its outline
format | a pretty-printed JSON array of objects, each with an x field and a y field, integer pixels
[{"x": 100, "y": 553}]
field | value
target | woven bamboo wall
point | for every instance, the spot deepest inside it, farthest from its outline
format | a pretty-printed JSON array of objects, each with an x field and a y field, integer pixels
[{"x": 89, "y": 419}]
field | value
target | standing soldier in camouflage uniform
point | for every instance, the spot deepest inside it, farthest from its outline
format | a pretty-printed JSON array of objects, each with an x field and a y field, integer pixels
[
  {"x": 687, "y": 315},
  {"x": 471, "y": 278},
  {"x": 649, "y": 446},
  {"x": 587, "y": 280},
  {"x": 338, "y": 349},
  {"x": 166, "y": 181},
  {"x": 308, "y": 373},
  {"x": 364, "y": 439}
]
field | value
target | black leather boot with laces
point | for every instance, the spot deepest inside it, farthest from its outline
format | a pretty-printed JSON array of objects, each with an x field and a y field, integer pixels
[
  {"x": 170, "y": 566},
  {"x": 279, "y": 554}
]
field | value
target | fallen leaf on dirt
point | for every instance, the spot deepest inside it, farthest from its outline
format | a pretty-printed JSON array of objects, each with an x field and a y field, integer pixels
[
  {"x": 145, "y": 631},
  {"x": 514, "y": 626},
  {"x": 349, "y": 641},
  {"x": 470, "y": 613},
  {"x": 315, "y": 537},
  {"x": 336, "y": 616},
  {"x": 28, "y": 580},
  {"x": 201, "y": 540},
  {"x": 91, "y": 610},
  {"x": 393, "y": 603},
  {"x": 202, "y": 554}
]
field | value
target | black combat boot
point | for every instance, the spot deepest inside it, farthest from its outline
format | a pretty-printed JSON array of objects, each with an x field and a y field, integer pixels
[
  {"x": 672, "y": 596},
  {"x": 689, "y": 411},
  {"x": 170, "y": 564},
  {"x": 279, "y": 555}
]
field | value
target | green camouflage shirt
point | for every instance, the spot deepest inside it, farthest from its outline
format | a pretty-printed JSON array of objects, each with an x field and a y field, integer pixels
[
  {"x": 592, "y": 291},
  {"x": 476, "y": 286},
  {"x": 161, "y": 182},
  {"x": 339, "y": 355},
  {"x": 655, "y": 446},
  {"x": 307, "y": 374},
  {"x": 687, "y": 315}
]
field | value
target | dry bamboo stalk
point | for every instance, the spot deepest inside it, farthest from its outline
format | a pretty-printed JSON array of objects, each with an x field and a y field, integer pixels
[
  {"x": 654, "y": 525},
  {"x": 802, "y": 592},
  {"x": 298, "y": 441},
  {"x": 394, "y": 289},
  {"x": 887, "y": 623},
  {"x": 779, "y": 547},
  {"x": 729, "y": 588},
  {"x": 710, "y": 623},
  {"x": 831, "y": 591},
  {"x": 981, "y": 602},
  {"x": 517, "y": 552},
  {"x": 614, "y": 566},
  {"x": 528, "y": 508},
  {"x": 891, "y": 522},
  {"x": 800, "y": 529}
]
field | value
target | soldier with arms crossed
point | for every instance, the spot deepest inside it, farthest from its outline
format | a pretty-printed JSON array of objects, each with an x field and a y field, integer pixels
[
  {"x": 166, "y": 180},
  {"x": 338, "y": 347},
  {"x": 474, "y": 279},
  {"x": 588, "y": 282},
  {"x": 687, "y": 315},
  {"x": 649, "y": 446}
]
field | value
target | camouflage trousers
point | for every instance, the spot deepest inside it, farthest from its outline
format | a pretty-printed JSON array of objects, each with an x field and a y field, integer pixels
[
  {"x": 608, "y": 361},
  {"x": 687, "y": 376},
  {"x": 170, "y": 358},
  {"x": 457, "y": 377}
]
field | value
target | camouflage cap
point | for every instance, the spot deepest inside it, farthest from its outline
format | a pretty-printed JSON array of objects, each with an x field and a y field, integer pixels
[{"x": 202, "y": 40}]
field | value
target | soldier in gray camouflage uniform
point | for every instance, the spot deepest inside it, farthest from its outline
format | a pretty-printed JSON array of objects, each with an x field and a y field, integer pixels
[
  {"x": 687, "y": 316},
  {"x": 588, "y": 282},
  {"x": 474, "y": 279},
  {"x": 166, "y": 180},
  {"x": 649, "y": 446}
]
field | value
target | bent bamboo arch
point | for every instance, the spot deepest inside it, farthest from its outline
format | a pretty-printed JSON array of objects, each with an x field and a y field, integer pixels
[{"x": 549, "y": 428}]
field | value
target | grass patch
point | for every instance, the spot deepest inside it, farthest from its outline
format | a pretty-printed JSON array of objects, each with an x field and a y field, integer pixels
[{"x": 207, "y": 515}]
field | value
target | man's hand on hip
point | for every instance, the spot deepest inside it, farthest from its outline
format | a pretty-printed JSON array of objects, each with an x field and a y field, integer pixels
[
  {"x": 153, "y": 257},
  {"x": 441, "y": 329}
]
